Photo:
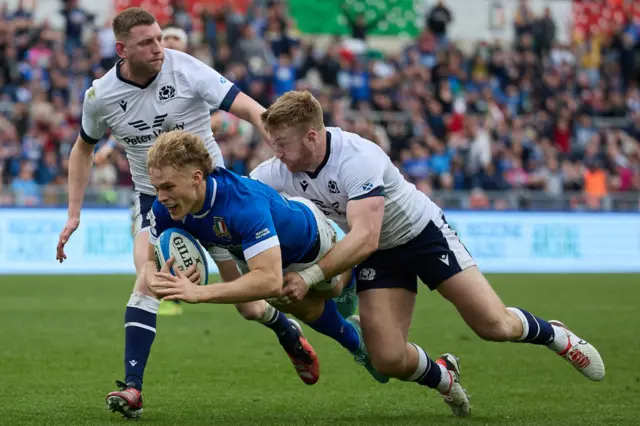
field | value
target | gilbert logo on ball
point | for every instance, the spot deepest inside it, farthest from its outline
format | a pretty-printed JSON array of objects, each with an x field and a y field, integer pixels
[{"x": 186, "y": 250}]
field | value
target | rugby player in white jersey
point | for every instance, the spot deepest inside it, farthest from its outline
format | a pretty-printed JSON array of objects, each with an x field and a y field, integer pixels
[
  {"x": 395, "y": 235},
  {"x": 152, "y": 90},
  {"x": 176, "y": 39}
]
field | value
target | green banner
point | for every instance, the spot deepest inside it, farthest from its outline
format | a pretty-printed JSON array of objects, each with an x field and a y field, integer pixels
[{"x": 389, "y": 17}]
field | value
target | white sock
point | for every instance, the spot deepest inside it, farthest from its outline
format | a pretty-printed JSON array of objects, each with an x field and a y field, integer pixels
[
  {"x": 424, "y": 366},
  {"x": 445, "y": 382},
  {"x": 144, "y": 302},
  {"x": 423, "y": 363},
  {"x": 270, "y": 314},
  {"x": 560, "y": 339}
]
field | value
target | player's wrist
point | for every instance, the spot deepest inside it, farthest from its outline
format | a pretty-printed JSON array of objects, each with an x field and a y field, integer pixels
[
  {"x": 312, "y": 275},
  {"x": 200, "y": 294}
]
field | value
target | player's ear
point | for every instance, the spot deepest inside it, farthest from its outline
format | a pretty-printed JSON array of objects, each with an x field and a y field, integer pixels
[
  {"x": 198, "y": 177},
  {"x": 120, "y": 49},
  {"x": 312, "y": 135}
]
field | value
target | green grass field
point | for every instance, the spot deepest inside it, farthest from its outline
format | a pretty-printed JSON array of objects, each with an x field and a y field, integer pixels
[{"x": 61, "y": 343}]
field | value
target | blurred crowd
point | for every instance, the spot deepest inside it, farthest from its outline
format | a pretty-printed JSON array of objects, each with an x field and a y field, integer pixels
[{"x": 536, "y": 115}]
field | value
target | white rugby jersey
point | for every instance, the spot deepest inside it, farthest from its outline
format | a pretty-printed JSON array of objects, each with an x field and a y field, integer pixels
[
  {"x": 356, "y": 168},
  {"x": 179, "y": 97}
]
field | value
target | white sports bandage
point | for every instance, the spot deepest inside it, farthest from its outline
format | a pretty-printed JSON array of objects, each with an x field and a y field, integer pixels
[
  {"x": 176, "y": 32},
  {"x": 312, "y": 275}
]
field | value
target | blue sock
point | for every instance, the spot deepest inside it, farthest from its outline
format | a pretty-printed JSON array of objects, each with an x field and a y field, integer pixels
[
  {"x": 429, "y": 373},
  {"x": 535, "y": 330},
  {"x": 287, "y": 333},
  {"x": 333, "y": 325},
  {"x": 140, "y": 331}
]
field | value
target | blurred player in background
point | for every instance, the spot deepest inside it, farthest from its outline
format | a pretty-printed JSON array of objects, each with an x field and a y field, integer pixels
[
  {"x": 263, "y": 231},
  {"x": 151, "y": 90},
  {"x": 395, "y": 235}
]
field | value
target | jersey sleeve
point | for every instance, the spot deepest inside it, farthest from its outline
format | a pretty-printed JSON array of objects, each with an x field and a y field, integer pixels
[
  {"x": 266, "y": 172},
  {"x": 363, "y": 175},
  {"x": 159, "y": 220},
  {"x": 93, "y": 124},
  {"x": 208, "y": 84},
  {"x": 257, "y": 229}
]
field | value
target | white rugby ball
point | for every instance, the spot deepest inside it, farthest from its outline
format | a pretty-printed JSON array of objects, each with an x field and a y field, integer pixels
[{"x": 185, "y": 248}]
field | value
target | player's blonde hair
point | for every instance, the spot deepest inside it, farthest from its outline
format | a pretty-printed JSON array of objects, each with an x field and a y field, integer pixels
[
  {"x": 180, "y": 149},
  {"x": 129, "y": 18},
  {"x": 293, "y": 109}
]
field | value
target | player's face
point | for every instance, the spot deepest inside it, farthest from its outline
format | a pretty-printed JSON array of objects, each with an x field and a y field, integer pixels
[
  {"x": 144, "y": 50},
  {"x": 292, "y": 147},
  {"x": 176, "y": 190},
  {"x": 173, "y": 42}
]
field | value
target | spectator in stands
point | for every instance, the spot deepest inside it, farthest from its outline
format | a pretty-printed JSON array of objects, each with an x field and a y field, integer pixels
[
  {"x": 544, "y": 30},
  {"x": 24, "y": 187},
  {"x": 529, "y": 115},
  {"x": 359, "y": 24},
  {"x": 438, "y": 19},
  {"x": 76, "y": 19}
]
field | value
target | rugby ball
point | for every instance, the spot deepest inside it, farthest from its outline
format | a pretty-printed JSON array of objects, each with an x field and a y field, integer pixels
[{"x": 185, "y": 248}]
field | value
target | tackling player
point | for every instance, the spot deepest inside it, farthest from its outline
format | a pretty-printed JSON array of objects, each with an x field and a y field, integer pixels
[
  {"x": 262, "y": 230},
  {"x": 395, "y": 235},
  {"x": 151, "y": 90}
]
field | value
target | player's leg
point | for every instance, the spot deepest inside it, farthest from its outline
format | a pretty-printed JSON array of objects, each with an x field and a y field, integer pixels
[
  {"x": 139, "y": 321},
  {"x": 347, "y": 300},
  {"x": 387, "y": 287},
  {"x": 259, "y": 310},
  {"x": 462, "y": 283},
  {"x": 320, "y": 311},
  {"x": 288, "y": 332}
]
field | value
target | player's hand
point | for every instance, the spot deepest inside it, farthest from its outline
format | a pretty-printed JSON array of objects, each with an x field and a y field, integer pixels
[
  {"x": 174, "y": 287},
  {"x": 69, "y": 228},
  {"x": 193, "y": 274},
  {"x": 295, "y": 289}
]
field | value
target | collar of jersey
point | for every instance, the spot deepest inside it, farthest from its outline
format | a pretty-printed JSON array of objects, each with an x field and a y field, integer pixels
[
  {"x": 133, "y": 83},
  {"x": 209, "y": 198},
  {"x": 315, "y": 173}
]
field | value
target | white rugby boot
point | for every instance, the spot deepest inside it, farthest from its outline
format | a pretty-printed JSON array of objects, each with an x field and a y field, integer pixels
[
  {"x": 581, "y": 354},
  {"x": 456, "y": 397}
]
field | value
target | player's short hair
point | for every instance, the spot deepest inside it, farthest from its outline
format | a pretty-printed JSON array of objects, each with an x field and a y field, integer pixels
[
  {"x": 130, "y": 18},
  {"x": 293, "y": 109},
  {"x": 180, "y": 149}
]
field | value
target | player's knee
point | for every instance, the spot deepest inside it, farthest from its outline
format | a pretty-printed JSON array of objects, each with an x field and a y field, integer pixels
[
  {"x": 308, "y": 310},
  {"x": 250, "y": 311},
  {"x": 496, "y": 328},
  {"x": 389, "y": 360},
  {"x": 142, "y": 284}
]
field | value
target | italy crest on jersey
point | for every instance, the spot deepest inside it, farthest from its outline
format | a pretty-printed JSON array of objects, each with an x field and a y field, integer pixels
[{"x": 220, "y": 228}]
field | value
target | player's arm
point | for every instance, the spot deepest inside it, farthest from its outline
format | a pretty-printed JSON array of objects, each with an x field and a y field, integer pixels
[
  {"x": 80, "y": 161},
  {"x": 263, "y": 281},
  {"x": 249, "y": 110},
  {"x": 227, "y": 267},
  {"x": 81, "y": 157},
  {"x": 365, "y": 222},
  {"x": 222, "y": 94},
  {"x": 102, "y": 155},
  {"x": 365, "y": 211}
]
